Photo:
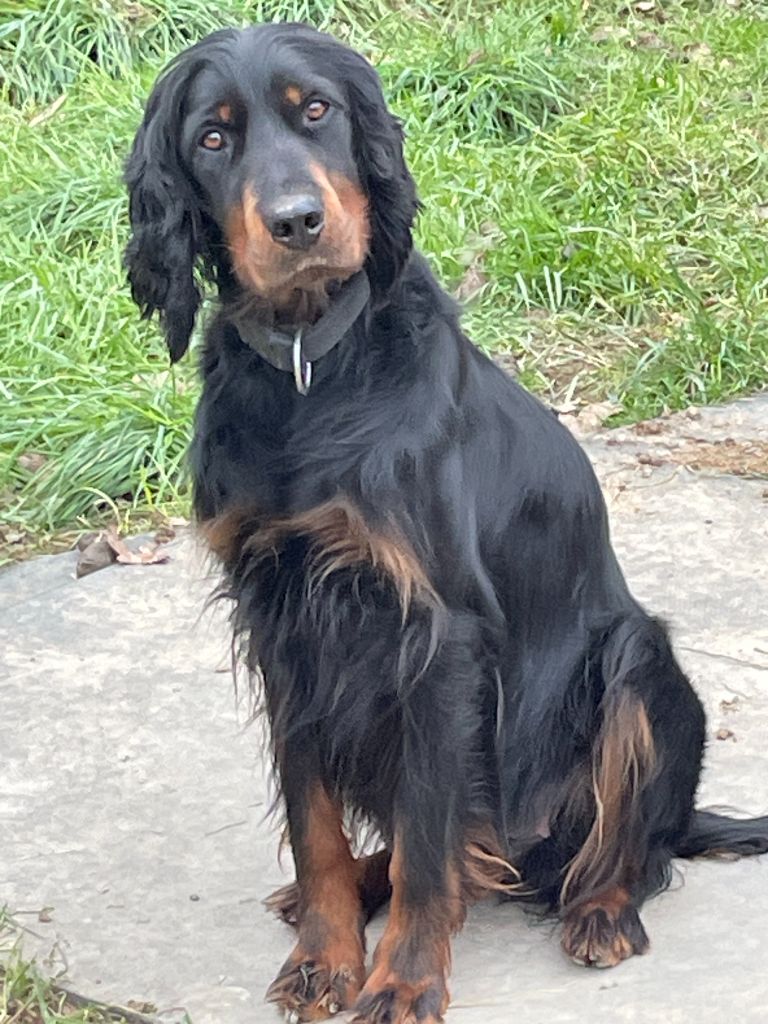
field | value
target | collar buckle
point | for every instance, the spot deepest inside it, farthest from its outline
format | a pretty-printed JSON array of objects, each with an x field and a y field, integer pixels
[{"x": 302, "y": 368}]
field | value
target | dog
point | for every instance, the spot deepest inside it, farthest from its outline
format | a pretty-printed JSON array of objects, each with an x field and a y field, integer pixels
[{"x": 417, "y": 551}]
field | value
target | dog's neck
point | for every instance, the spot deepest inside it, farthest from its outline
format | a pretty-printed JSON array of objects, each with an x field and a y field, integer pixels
[{"x": 295, "y": 346}]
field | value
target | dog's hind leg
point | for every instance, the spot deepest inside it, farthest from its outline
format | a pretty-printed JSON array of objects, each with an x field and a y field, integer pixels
[
  {"x": 643, "y": 775},
  {"x": 372, "y": 873}
]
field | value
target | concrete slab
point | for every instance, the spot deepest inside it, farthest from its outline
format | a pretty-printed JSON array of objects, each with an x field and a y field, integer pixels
[{"x": 133, "y": 797}]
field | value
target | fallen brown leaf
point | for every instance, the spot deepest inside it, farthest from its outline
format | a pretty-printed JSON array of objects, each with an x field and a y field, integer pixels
[
  {"x": 725, "y": 734},
  {"x": 97, "y": 554},
  {"x": 99, "y": 550},
  {"x": 127, "y": 556},
  {"x": 86, "y": 539},
  {"x": 151, "y": 555}
]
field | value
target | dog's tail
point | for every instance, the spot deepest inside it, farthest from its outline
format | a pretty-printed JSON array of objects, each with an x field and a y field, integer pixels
[{"x": 717, "y": 835}]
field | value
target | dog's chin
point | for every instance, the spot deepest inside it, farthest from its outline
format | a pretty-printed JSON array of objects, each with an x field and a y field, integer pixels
[{"x": 300, "y": 296}]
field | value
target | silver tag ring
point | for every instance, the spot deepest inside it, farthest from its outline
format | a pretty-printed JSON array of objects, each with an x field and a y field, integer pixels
[{"x": 302, "y": 368}]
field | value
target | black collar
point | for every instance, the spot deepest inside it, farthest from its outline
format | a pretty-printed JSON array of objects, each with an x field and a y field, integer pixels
[{"x": 294, "y": 349}]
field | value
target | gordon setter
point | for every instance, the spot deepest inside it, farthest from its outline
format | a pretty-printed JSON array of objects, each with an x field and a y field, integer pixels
[{"x": 417, "y": 550}]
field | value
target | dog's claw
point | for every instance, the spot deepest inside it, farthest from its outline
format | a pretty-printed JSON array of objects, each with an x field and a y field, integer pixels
[{"x": 307, "y": 990}]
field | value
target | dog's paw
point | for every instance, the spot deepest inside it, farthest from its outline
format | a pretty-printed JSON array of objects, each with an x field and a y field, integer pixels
[
  {"x": 308, "y": 990},
  {"x": 604, "y": 931},
  {"x": 402, "y": 1004}
]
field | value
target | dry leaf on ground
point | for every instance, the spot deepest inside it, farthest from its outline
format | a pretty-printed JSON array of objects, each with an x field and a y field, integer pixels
[
  {"x": 98, "y": 550},
  {"x": 146, "y": 555},
  {"x": 95, "y": 553}
]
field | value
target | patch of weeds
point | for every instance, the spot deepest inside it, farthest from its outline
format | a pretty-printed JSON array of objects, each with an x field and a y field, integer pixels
[{"x": 27, "y": 996}]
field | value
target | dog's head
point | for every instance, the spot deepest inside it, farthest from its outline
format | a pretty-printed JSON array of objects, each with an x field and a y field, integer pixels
[{"x": 268, "y": 162}]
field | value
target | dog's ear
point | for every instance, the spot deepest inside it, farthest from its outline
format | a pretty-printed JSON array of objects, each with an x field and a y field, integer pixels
[
  {"x": 166, "y": 226},
  {"x": 391, "y": 191}
]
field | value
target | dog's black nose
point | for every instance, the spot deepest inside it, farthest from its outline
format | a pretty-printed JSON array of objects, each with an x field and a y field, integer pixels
[{"x": 295, "y": 221}]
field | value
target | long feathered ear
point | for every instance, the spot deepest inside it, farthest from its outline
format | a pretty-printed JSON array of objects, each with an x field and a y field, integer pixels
[
  {"x": 391, "y": 191},
  {"x": 161, "y": 255}
]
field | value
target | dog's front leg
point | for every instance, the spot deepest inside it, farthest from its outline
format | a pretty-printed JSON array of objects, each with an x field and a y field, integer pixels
[
  {"x": 410, "y": 974},
  {"x": 409, "y": 980},
  {"x": 325, "y": 971}
]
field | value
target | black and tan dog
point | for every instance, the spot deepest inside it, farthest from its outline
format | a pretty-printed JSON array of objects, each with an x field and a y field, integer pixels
[{"x": 417, "y": 550}]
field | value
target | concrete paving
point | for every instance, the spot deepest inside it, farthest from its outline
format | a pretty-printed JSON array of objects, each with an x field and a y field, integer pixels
[{"x": 133, "y": 794}]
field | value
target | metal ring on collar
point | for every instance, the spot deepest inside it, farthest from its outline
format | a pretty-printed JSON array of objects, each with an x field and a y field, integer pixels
[{"x": 302, "y": 368}]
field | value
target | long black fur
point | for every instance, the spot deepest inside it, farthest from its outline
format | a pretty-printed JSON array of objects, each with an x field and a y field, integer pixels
[{"x": 487, "y": 705}]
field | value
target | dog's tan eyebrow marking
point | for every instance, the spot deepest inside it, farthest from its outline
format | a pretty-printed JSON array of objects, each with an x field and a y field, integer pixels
[
  {"x": 224, "y": 112},
  {"x": 293, "y": 95}
]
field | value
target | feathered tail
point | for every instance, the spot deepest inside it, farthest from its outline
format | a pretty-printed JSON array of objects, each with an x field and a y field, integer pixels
[{"x": 716, "y": 835}]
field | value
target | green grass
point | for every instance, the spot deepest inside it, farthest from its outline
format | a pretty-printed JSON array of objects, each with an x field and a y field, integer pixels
[
  {"x": 598, "y": 182},
  {"x": 28, "y": 996}
]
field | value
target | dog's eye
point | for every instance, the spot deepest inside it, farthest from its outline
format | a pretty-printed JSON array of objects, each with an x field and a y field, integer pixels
[
  {"x": 316, "y": 109},
  {"x": 213, "y": 140}
]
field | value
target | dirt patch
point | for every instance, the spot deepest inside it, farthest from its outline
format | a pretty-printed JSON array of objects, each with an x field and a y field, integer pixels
[{"x": 738, "y": 458}]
